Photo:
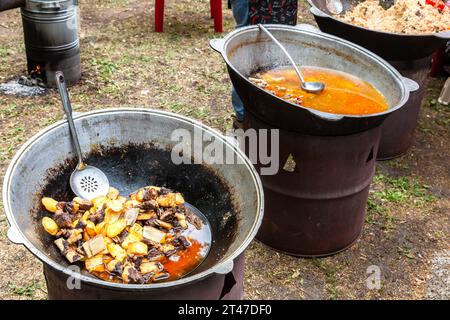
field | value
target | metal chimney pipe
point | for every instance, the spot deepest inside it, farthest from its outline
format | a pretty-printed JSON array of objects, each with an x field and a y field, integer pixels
[{"x": 11, "y": 4}]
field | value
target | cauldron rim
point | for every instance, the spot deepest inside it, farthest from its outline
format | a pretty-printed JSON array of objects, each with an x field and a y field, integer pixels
[
  {"x": 16, "y": 235},
  {"x": 441, "y": 34},
  {"x": 305, "y": 28}
]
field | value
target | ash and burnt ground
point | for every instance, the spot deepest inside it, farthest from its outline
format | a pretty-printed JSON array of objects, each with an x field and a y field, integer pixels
[{"x": 125, "y": 64}]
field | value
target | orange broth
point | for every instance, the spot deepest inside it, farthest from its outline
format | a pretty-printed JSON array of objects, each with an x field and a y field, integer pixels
[{"x": 343, "y": 93}]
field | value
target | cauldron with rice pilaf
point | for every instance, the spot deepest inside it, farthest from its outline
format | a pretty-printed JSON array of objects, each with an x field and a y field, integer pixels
[
  {"x": 411, "y": 55},
  {"x": 133, "y": 147},
  {"x": 315, "y": 204}
]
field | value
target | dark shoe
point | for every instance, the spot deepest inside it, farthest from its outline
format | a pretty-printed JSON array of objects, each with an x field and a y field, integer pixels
[{"x": 237, "y": 124}]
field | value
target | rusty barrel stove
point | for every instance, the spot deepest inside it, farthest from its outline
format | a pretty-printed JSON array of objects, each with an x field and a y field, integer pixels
[
  {"x": 410, "y": 54},
  {"x": 133, "y": 148},
  {"x": 51, "y": 39},
  {"x": 315, "y": 204}
]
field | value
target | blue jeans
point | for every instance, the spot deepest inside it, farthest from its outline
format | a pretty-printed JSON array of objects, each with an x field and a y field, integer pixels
[{"x": 240, "y": 14}]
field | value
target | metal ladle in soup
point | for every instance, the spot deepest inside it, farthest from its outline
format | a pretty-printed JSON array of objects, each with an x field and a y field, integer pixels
[{"x": 343, "y": 93}]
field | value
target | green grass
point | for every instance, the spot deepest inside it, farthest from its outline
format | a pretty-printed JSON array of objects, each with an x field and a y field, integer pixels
[
  {"x": 390, "y": 193},
  {"x": 406, "y": 252},
  {"x": 402, "y": 189},
  {"x": 4, "y": 52},
  {"x": 28, "y": 290},
  {"x": 105, "y": 67},
  {"x": 330, "y": 278},
  {"x": 9, "y": 110}
]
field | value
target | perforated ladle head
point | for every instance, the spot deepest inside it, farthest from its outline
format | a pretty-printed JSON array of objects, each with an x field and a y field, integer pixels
[{"x": 87, "y": 182}]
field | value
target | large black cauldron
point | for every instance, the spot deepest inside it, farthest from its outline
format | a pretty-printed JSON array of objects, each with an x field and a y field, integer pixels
[{"x": 133, "y": 147}]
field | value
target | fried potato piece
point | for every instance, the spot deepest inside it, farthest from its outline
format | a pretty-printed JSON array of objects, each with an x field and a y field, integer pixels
[
  {"x": 154, "y": 235},
  {"x": 49, "y": 204},
  {"x": 115, "y": 205},
  {"x": 95, "y": 263},
  {"x": 116, "y": 228},
  {"x": 94, "y": 246},
  {"x": 50, "y": 226},
  {"x": 113, "y": 193},
  {"x": 117, "y": 251},
  {"x": 130, "y": 239},
  {"x": 170, "y": 200},
  {"x": 138, "y": 248}
]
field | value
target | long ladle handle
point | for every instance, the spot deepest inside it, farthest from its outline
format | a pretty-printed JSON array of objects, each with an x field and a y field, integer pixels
[
  {"x": 285, "y": 52},
  {"x": 61, "y": 83}
]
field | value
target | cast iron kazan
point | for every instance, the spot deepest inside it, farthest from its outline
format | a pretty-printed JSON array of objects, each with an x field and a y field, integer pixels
[
  {"x": 247, "y": 50},
  {"x": 390, "y": 46},
  {"x": 410, "y": 54},
  {"x": 315, "y": 203},
  {"x": 133, "y": 147}
]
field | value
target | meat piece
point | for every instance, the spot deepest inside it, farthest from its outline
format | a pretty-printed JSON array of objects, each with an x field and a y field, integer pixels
[
  {"x": 194, "y": 220},
  {"x": 150, "y": 194},
  {"x": 70, "y": 253},
  {"x": 61, "y": 244},
  {"x": 150, "y": 205},
  {"x": 98, "y": 216},
  {"x": 161, "y": 276},
  {"x": 164, "y": 191},
  {"x": 80, "y": 224},
  {"x": 72, "y": 256},
  {"x": 154, "y": 255},
  {"x": 131, "y": 275},
  {"x": 123, "y": 235},
  {"x": 164, "y": 215},
  {"x": 94, "y": 246},
  {"x": 181, "y": 218},
  {"x": 72, "y": 235},
  {"x": 62, "y": 219},
  {"x": 137, "y": 260},
  {"x": 185, "y": 242},
  {"x": 119, "y": 268},
  {"x": 83, "y": 204},
  {"x": 163, "y": 224}
]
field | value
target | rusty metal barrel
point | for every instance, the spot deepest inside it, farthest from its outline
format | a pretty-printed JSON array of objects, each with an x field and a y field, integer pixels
[
  {"x": 316, "y": 202},
  {"x": 399, "y": 128}
]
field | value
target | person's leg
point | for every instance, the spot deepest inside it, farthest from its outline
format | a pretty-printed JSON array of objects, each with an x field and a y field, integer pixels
[
  {"x": 237, "y": 105},
  {"x": 240, "y": 14}
]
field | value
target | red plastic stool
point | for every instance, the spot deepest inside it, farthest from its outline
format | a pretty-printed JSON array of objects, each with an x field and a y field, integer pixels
[
  {"x": 438, "y": 63},
  {"x": 216, "y": 14}
]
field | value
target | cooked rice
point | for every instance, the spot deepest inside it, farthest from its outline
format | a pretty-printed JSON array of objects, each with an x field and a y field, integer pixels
[{"x": 406, "y": 16}]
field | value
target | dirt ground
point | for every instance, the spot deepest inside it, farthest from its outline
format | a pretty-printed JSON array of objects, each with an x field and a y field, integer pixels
[{"x": 125, "y": 64}]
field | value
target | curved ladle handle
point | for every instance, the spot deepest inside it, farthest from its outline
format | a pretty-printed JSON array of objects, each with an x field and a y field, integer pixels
[
  {"x": 61, "y": 83},
  {"x": 267, "y": 32}
]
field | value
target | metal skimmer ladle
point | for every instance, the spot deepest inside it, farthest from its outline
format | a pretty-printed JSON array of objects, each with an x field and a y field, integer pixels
[
  {"x": 87, "y": 182},
  {"x": 313, "y": 87}
]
